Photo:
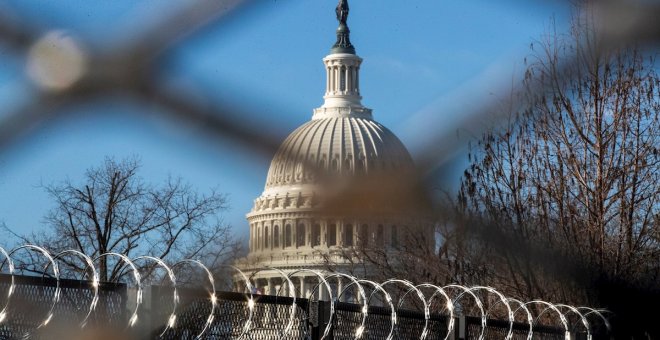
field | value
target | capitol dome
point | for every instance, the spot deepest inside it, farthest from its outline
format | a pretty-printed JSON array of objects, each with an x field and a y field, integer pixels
[
  {"x": 339, "y": 182},
  {"x": 345, "y": 145}
]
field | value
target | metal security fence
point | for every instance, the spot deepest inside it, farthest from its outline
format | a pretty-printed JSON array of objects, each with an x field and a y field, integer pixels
[
  {"x": 192, "y": 313},
  {"x": 27, "y": 313},
  {"x": 269, "y": 319},
  {"x": 47, "y": 308},
  {"x": 50, "y": 307},
  {"x": 272, "y": 314},
  {"x": 498, "y": 329},
  {"x": 348, "y": 318}
]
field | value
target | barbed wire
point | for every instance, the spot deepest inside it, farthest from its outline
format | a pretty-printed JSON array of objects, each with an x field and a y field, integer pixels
[{"x": 452, "y": 294}]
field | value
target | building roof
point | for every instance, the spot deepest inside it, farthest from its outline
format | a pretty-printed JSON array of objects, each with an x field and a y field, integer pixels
[{"x": 345, "y": 145}]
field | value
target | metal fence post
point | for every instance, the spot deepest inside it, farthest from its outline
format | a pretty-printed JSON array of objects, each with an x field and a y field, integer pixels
[
  {"x": 454, "y": 334},
  {"x": 462, "y": 328},
  {"x": 321, "y": 320},
  {"x": 124, "y": 304},
  {"x": 148, "y": 302}
]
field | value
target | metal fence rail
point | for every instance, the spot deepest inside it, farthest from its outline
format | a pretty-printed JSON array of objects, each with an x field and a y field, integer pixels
[
  {"x": 497, "y": 329},
  {"x": 270, "y": 316},
  {"x": 272, "y": 313},
  {"x": 409, "y": 325}
]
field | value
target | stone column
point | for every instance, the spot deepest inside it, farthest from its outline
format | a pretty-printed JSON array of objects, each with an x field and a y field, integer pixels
[
  {"x": 270, "y": 235},
  {"x": 294, "y": 233},
  {"x": 323, "y": 229},
  {"x": 337, "y": 80},
  {"x": 327, "y": 79},
  {"x": 269, "y": 290},
  {"x": 302, "y": 287},
  {"x": 321, "y": 288},
  {"x": 259, "y": 238},
  {"x": 252, "y": 237},
  {"x": 349, "y": 82},
  {"x": 333, "y": 80},
  {"x": 308, "y": 234},
  {"x": 280, "y": 237}
]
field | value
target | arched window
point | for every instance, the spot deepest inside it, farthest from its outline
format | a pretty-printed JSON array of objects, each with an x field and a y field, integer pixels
[
  {"x": 287, "y": 235},
  {"x": 395, "y": 237},
  {"x": 299, "y": 171},
  {"x": 316, "y": 235},
  {"x": 335, "y": 164},
  {"x": 359, "y": 164},
  {"x": 342, "y": 79},
  {"x": 348, "y": 234},
  {"x": 364, "y": 235},
  {"x": 380, "y": 235},
  {"x": 352, "y": 71},
  {"x": 266, "y": 237},
  {"x": 331, "y": 236},
  {"x": 300, "y": 235},
  {"x": 276, "y": 236},
  {"x": 347, "y": 163}
]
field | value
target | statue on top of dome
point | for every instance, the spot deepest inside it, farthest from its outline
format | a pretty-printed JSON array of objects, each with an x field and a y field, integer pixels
[
  {"x": 342, "y": 11},
  {"x": 343, "y": 44}
]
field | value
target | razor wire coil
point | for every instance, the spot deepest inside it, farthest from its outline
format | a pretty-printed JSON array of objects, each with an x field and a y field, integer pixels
[{"x": 288, "y": 295}]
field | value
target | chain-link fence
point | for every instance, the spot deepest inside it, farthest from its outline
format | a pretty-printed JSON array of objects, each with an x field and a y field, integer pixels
[
  {"x": 32, "y": 296},
  {"x": 187, "y": 313},
  {"x": 129, "y": 70}
]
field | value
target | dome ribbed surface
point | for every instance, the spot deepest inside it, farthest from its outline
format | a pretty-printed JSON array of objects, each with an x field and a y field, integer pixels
[{"x": 338, "y": 145}]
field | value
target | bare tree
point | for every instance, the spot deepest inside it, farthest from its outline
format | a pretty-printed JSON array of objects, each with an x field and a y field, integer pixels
[
  {"x": 115, "y": 210},
  {"x": 578, "y": 171},
  {"x": 562, "y": 197}
]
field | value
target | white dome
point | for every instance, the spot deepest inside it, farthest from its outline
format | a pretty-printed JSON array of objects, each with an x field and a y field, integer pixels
[
  {"x": 344, "y": 146},
  {"x": 309, "y": 210}
]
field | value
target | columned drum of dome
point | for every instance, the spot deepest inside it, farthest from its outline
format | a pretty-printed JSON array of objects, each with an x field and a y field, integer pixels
[{"x": 293, "y": 223}]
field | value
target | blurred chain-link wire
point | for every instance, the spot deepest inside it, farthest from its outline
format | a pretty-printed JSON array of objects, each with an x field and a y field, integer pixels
[{"x": 128, "y": 69}]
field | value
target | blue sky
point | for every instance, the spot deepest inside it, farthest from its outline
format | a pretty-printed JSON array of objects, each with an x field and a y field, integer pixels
[{"x": 424, "y": 60}]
